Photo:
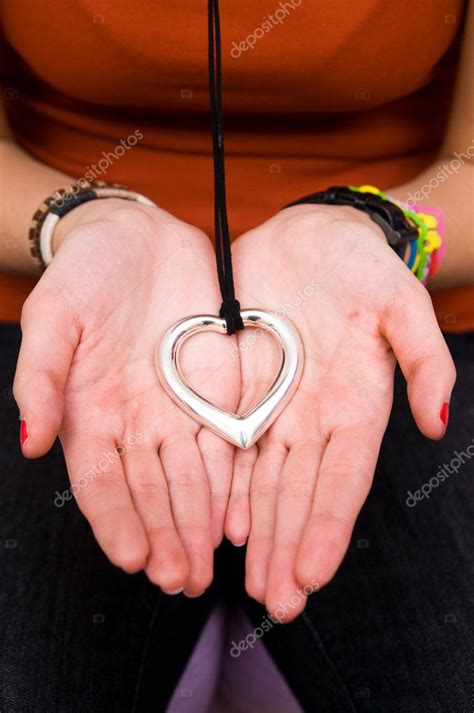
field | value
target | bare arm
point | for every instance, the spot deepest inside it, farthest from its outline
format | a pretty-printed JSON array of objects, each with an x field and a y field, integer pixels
[
  {"x": 452, "y": 181},
  {"x": 24, "y": 183}
]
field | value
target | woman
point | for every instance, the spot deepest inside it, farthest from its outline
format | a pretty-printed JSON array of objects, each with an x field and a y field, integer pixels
[{"x": 345, "y": 94}]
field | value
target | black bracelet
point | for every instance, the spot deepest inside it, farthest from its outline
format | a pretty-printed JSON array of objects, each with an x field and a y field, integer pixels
[{"x": 389, "y": 217}]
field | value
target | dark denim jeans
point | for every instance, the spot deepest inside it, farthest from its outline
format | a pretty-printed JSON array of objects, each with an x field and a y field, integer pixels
[{"x": 393, "y": 633}]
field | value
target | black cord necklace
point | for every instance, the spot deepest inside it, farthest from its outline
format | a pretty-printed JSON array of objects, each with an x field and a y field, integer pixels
[
  {"x": 230, "y": 307},
  {"x": 241, "y": 430}
]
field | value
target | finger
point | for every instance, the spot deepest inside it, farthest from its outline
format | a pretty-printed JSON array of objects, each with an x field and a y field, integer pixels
[
  {"x": 221, "y": 367},
  {"x": 344, "y": 480},
  {"x": 218, "y": 458},
  {"x": 167, "y": 564},
  {"x": 263, "y": 501},
  {"x": 295, "y": 497},
  {"x": 49, "y": 338},
  {"x": 409, "y": 324},
  {"x": 99, "y": 485},
  {"x": 191, "y": 507},
  {"x": 237, "y": 521}
]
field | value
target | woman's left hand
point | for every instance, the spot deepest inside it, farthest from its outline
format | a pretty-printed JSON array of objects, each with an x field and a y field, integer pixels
[{"x": 358, "y": 309}]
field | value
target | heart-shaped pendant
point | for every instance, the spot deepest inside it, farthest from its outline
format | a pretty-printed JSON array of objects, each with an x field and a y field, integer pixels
[{"x": 242, "y": 431}]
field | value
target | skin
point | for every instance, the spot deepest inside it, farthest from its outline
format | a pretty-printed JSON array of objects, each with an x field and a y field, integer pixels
[
  {"x": 86, "y": 370},
  {"x": 86, "y": 373},
  {"x": 360, "y": 312}
]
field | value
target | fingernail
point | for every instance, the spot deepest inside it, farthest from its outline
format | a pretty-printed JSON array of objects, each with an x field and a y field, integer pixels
[
  {"x": 23, "y": 432},
  {"x": 174, "y": 592},
  {"x": 239, "y": 544},
  {"x": 274, "y": 618},
  {"x": 194, "y": 596},
  {"x": 444, "y": 414}
]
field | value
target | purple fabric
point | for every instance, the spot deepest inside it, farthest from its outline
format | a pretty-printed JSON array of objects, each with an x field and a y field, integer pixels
[
  {"x": 198, "y": 684},
  {"x": 216, "y": 682}
]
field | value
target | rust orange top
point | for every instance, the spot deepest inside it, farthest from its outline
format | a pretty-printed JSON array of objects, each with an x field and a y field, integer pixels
[{"x": 315, "y": 94}]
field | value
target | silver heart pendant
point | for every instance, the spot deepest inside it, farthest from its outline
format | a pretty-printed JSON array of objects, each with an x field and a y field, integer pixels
[{"x": 242, "y": 431}]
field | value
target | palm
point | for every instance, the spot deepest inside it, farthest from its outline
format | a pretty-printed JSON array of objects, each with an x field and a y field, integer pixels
[{"x": 315, "y": 464}]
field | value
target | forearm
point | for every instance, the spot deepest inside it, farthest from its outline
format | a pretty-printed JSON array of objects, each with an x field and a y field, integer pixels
[
  {"x": 24, "y": 184},
  {"x": 448, "y": 184}
]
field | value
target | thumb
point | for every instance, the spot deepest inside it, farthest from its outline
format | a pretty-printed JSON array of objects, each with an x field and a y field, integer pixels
[
  {"x": 424, "y": 359},
  {"x": 50, "y": 335}
]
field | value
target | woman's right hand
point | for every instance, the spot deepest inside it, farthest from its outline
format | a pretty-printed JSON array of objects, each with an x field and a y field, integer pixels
[{"x": 152, "y": 483}]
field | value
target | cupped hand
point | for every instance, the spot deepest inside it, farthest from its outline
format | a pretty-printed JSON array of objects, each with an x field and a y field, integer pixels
[
  {"x": 358, "y": 310},
  {"x": 152, "y": 483}
]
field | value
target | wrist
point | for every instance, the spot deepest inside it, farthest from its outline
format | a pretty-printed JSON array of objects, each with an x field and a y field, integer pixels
[
  {"x": 337, "y": 213},
  {"x": 415, "y": 233},
  {"x": 353, "y": 215},
  {"x": 90, "y": 212},
  {"x": 42, "y": 235}
]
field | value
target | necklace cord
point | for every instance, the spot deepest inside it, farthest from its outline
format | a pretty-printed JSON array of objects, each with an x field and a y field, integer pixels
[{"x": 230, "y": 307}]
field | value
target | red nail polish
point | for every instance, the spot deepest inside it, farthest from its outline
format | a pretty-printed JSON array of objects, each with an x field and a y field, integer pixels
[
  {"x": 444, "y": 414},
  {"x": 23, "y": 432}
]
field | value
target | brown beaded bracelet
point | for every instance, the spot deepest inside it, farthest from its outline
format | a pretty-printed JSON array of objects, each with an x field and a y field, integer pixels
[{"x": 61, "y": 202}]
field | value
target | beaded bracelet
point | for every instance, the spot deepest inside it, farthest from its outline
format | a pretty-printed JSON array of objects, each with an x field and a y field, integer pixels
[
  {"x": 424, "y": 254},
  {"x": 61, "y": 202}
]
